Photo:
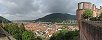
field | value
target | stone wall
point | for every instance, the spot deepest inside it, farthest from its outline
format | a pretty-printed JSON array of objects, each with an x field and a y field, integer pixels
[
  {"x": 90, "y": 30},
  {"x": 87, "y": 5}
]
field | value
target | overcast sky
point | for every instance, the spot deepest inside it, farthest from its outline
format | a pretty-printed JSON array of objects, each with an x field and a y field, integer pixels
[{"x": 33, "y": 9}]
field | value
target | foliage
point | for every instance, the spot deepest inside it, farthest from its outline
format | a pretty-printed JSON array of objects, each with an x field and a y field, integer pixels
[
  {"x": 97, "y": 18},
  {"x": 65, "y": 35},
  {"x": 94, "y": 19},
  {"x": 39, "y": 38},
  {"x": 19, "y": 33},
  {"x": 22, "y": 26},
  {"x": 27, "y": 35},
  {"x": 87, "y": 14},
  {"x": 14, "y": 30}
]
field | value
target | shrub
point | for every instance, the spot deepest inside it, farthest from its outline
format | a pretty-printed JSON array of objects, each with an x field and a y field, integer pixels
[
  {"x": 65, "y": 35},
  {"x": 87, "y": 14}
]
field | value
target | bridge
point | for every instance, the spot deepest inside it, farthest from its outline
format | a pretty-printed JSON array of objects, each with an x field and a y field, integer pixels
[{"x": 90, "y": 30}]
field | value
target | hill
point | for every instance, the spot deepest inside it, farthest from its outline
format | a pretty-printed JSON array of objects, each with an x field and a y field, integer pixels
[
  {"x": 2, "y": 19},
  {"x": 56, "y": 17}
]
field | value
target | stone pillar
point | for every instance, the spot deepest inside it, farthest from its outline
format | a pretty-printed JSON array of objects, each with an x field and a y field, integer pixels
[{"x": 78, "y": 5}]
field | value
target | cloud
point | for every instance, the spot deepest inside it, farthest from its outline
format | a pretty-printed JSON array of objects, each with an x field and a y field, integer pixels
[
  {"x": 33, "y": 9},
  {"x": 20, "y": 9},
  {"x": 59, "y": 6}
]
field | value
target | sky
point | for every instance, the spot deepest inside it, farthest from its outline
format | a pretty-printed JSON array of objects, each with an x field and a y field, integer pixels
[{"x": 34, "y": 9}]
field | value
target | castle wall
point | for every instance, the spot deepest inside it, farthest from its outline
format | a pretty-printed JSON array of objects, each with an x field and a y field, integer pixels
[
  {"x": 89, "y": 30},
  {"x": 79, "y": 14},
  {"x": 87, "y": 5},
  {"x": 98, "y": 11},
  {"x": 84, "y": 5}
]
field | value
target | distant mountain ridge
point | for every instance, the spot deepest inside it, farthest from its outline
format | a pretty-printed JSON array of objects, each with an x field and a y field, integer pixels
[
  {"x": 56, "y": 17},
  {"x": 22, "y": 21},
  {"x": 2, "y": 19}
]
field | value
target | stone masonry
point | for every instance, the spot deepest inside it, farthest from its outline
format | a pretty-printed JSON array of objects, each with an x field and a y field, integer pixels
[{"x": 89, "y": 30}]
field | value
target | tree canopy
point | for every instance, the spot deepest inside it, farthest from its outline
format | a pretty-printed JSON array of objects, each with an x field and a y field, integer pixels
[
  {"x": 19, "y": 33},
  {"x": 65, "y": 35},
  {"x": 87, "y": 13}
]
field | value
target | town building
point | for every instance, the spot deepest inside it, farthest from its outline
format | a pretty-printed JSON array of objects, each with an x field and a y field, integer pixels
[
  {"x": 46, "y": 30},
  {"x": 42, "y": 29}
]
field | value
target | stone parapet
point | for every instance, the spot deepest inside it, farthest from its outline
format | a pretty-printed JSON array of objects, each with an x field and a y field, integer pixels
[{"x": 90, "y": 30}]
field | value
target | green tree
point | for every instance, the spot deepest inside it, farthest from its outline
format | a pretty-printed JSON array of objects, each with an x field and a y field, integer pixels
[
  {"x": 22, "y": 27},
  {"x": 94, "y": 19},
  {"x": 39, "y": 38},
  {"x": 14, "y": 30},
  {"x": 87, "y": 14},
  {"x": 27, "y": 35},
  {"x": 19, "y": 33},
  {"x": 59, "y": 35},
  {"x": 65, "y": 35}
]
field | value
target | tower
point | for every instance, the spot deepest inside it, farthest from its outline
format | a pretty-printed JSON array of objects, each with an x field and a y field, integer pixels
[
  {"x": 94, "y": 10},
  {"x": 81, "y": 8},
  {"x": 79, "y": 12}
]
